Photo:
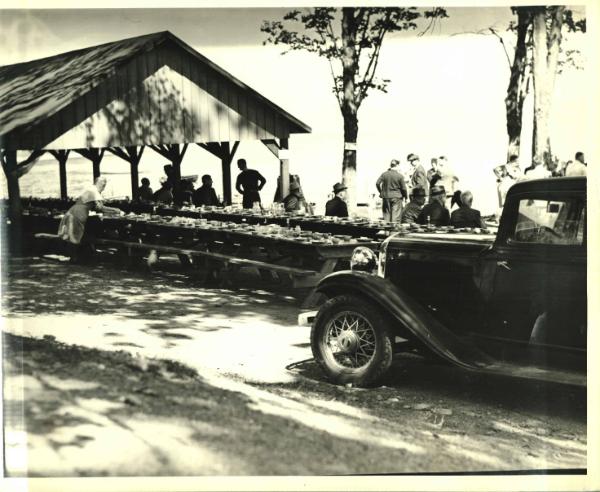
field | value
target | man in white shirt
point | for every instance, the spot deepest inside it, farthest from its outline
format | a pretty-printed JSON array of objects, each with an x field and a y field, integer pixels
[
  {"x": 577, "y": 168},
  {"x": 448, "y": 179}
]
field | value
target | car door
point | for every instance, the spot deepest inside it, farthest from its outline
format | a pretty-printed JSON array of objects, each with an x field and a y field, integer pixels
[{"x": 538, "y": 307}]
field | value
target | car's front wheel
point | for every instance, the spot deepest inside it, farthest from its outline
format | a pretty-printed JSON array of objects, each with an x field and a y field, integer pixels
[{"x": 351, "y": 340}]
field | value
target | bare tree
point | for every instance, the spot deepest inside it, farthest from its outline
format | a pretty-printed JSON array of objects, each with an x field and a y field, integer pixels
[
  {"x": 547, "y": 37},
  {"x": 351, "y": 41},
  {"x": 518, "y": 85}
]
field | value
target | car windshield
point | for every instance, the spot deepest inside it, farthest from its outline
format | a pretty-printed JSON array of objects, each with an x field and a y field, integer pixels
[{"x": 546, "y": 221}]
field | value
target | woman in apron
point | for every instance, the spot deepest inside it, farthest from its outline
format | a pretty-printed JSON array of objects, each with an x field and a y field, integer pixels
[{"x": 72, "y": 225}]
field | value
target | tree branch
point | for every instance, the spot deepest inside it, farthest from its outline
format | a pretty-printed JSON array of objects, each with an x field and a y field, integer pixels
[
  {"x": 503, "y": 45},
  {"x": 371, "y": 67}
]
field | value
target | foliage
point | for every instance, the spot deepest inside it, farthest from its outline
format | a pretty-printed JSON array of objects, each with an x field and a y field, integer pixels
[
  {"x": 318, "y": 30},
  {"x": 574, "y": 23}
]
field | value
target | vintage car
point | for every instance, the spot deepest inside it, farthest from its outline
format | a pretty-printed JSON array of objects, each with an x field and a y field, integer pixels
[{"x": 513, "y": 304}]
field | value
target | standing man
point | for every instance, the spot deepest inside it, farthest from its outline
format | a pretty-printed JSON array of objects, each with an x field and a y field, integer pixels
[
  {"x": 337, "y": 207},
  {"x": 448, "y": 179},
  {"x": 392, "y": 190},
  {"x": 433, "y": 174},
  {"x": 248, "y": 184},
  {"x": 435, "y": 212},
  {"x": 418, "y": 178}
]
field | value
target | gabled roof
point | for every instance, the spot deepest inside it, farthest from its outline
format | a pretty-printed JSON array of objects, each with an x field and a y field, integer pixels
[{"x": 35, "y": 90}]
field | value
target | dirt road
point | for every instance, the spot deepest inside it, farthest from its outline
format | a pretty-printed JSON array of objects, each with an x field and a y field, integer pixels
[{"x": 130, "y": 373}]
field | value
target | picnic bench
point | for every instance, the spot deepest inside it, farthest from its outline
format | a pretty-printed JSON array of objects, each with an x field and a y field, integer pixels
[{"x": 229, "y": 265}]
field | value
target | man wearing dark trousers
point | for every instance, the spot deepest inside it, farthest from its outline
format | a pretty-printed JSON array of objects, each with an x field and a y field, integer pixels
[
  {"x": 248, "y": 184},
  {"x": 392, "y": 190},
  {"x": 418, "y": 178}
]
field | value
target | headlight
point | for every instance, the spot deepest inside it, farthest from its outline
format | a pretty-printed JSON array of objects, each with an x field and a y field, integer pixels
[{"x": 363, "y": 259}]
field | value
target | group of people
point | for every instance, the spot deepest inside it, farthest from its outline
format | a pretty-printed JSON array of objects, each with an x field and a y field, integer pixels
[
  {"x": 431, "y": 195},
  {"x": 510, "y": 173},
  {"x": 180, "y": 192}
]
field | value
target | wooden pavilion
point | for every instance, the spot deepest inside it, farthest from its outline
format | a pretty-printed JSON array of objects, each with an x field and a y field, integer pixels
[{"x": 149, "y": 91}]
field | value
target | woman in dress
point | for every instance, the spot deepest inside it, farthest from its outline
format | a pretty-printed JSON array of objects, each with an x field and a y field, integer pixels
[{"x": 72, "y": 225}]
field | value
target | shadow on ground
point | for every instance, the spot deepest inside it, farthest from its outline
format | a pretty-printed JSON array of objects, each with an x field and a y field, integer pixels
[
  {"x": 167, "y": 300},
  {"x": 159, "y": 417},
  {"x": 425, "y": 380}
]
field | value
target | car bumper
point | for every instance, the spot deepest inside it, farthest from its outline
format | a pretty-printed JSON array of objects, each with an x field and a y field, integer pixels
[{"x": 306, "y": 318}]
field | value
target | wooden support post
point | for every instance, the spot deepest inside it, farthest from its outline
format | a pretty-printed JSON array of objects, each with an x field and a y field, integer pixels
[
  {"x": 15, "y": 208},
  {"x": 134, "y": 179},
  {"x": 175, "y": 154},
  {"x": 226, "y": 172},
  {"x": 61, "y": 156},
  {"x": 133, "y": 156},
  {"x": 284, "y": 168},
  {"x": 226, "y": 166},
  {"x": 94, "y": 155},
  {"x": 9, "y": 164},
  {"x": 62, "y": 171},
  {"x": 96, "y": 168},
  {"x": 225, "y": 152}
]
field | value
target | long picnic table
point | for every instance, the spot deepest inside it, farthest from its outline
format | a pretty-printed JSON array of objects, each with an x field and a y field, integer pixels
[
  {"x": 304, "y": 256},
  {"x": 357, "y": 227},
  {"x": 278, "y": 253}
]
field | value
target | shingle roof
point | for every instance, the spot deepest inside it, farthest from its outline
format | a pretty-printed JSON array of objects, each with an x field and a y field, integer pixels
[{"x": 37, "y": 89}]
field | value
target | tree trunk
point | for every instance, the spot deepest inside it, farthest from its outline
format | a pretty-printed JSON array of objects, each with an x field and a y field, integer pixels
[
  {"x": 517, "y": 86},
  {"x": 349, "y": 163},
  {"x": 349, "y": 105},
  {"x": 546, "y": 44}
]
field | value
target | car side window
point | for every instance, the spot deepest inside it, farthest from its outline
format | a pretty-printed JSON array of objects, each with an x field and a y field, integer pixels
[{"x": 545, "y": 221}]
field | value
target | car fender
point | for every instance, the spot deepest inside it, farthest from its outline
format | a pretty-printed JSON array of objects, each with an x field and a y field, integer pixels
[{"x": 406, "y": 311}]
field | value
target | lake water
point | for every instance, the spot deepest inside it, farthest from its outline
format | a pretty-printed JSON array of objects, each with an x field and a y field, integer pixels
[{"x": 317, "y": 177}]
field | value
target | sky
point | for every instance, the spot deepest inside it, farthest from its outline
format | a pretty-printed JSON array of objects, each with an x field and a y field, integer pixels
[{"x": 446, "y": 94}]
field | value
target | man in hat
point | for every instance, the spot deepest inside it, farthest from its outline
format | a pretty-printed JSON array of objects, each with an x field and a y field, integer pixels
[
  {"x": 413, "y": 208},
  {"x": 248, "y": 184},
  {"x": 392, "y": 190},
  {"x": 295, "y": 200},
  {"x": 465, "y": 215},
  {"x": 418, "y": 178},
  {"x": 435, "y": 212},
  {"x": 337, "y": 207}
]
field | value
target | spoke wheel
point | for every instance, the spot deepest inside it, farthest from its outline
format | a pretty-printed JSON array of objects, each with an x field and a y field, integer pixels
[{"x": 351, "y": 341}]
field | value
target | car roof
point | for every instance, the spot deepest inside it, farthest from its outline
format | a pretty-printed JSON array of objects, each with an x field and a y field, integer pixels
[{"x": 575, "y": 183}]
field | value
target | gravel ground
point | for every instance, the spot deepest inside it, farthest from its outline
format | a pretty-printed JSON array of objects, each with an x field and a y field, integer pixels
[{"x": 120, "y": 373}]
